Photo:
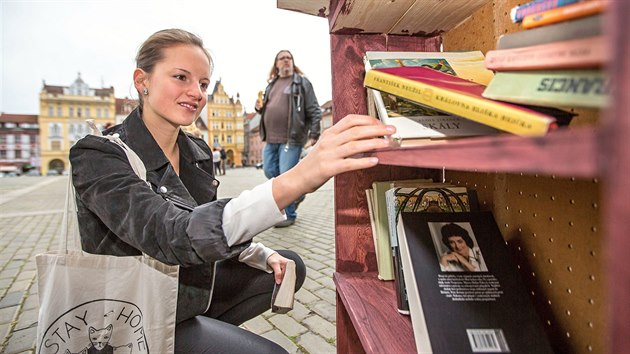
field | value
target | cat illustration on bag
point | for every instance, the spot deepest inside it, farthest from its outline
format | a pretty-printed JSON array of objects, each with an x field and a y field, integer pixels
[{"x": 99, "y": 343}]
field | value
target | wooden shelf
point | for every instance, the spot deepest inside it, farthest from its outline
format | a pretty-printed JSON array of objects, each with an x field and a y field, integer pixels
[
  {"x": 507, "y": 153},
  {"x": 401, "y": 17},
  {"x": 371, "y": 303}
]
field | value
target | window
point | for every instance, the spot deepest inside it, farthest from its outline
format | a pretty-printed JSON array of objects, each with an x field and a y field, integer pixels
[
  {"x": 215, "y": 125},
  {"x": 229, "y": 114},
  {"x": 50, "y": 111},
  {"x": 239, "y": 125},
  {"x": 239, "y": 139},
  {"x": 10, "y": 125},
  {"x": 71, "y": 111},
  {"x": 87, "y": 112},
  {"x": 18, "y": 154},
  {"x": 55, "y": 145},
  {"x": 215, "y": 140},
  {"x": 229, "y": 139},
  {"x": 10, "y": 154},
  {"x": 26, "y": 154},
  {"x": 229, "y": 126},
  {"x": 25, "y": 139},
  {"x": 106, "y": 111},
  {"x": 55, "y": 130},
  {"x": 98, "y": 112},
  {"x": 59, "y": 111},
  {"x": 10, "y": 139}
]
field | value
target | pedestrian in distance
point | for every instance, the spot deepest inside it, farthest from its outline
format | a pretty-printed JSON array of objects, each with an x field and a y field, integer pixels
[
  {"x": 225, "y": 279},
  {"x": 216, "y": 160},
  {"x": 290, "y": 120},
  {"x": 223, "y": 159}
]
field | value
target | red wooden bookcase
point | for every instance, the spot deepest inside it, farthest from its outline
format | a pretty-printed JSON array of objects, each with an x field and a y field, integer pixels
[{"x": 560, "y": 200}]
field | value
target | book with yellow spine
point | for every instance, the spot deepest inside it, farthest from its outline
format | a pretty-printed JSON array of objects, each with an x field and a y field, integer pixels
[{"x": 461, "y": 97}]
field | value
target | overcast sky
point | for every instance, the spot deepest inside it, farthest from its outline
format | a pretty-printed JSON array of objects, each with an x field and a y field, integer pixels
[{"x": 53, "y": 40}]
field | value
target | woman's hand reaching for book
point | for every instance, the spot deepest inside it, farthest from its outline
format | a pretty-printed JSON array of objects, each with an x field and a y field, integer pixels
[{"x": 338, "y": 150}]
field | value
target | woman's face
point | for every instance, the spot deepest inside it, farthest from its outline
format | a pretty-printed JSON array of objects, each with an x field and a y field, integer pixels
[
  {"x": 177, "y": 86},
  {"x": 457, "y": 244}
]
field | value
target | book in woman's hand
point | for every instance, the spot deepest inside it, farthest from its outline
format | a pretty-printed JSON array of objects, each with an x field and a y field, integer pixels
[{"x": 283, "y": 293}]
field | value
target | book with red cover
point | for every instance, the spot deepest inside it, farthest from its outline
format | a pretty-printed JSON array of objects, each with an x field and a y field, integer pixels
[
  {"x": 592, "y": 52},
  {"x": 464, "y": 98}
]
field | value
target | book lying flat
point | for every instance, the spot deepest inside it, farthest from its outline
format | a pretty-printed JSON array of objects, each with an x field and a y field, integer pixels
[
  {"x": 588, "y": 26},
  {"x": 465, "y": 293},
  {"x": 581, "y": 53},
  {"x": 283, "y": 294},
  {"x": 552, "y": 88},
  {"x": 461, "y": 97},
  {"x": 564, "y": 13},
  {"x": 416, "y": 124},
  {"x": 537, "y": 6}
]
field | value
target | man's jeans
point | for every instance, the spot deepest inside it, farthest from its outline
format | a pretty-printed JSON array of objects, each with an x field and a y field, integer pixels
[{"x": 277, "y": 159}]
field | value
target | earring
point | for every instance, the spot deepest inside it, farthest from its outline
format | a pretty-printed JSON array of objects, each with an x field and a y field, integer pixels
[{"x": 145, "y": 91}]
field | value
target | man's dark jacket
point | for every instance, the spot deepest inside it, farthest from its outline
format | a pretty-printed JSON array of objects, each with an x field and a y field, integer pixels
[
  {"x": 304, "y": 112},
  {"x": 177, "y": 220}
]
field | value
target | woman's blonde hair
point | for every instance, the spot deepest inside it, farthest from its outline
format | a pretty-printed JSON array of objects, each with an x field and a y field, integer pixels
[{"x": 152, "y": 50}]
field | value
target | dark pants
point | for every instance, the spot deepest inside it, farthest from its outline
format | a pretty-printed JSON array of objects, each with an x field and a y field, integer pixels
[{"x": 240, "y": 294}]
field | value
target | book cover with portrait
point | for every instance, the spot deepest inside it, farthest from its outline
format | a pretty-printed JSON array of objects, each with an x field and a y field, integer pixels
[{"x": 465, "y": 292}]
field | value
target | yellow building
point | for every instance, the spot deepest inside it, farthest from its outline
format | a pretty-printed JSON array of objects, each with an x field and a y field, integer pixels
[
  {"x": 225, "y": 124},
  {"x": 63, "y": 111}
]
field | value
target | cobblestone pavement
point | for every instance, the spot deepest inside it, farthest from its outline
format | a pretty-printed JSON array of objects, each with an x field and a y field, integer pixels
[{"x": 30, "y": 219}]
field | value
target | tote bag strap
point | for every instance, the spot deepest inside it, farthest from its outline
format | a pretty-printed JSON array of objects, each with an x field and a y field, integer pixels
[
  {"x": 69, "y": 218},
  {"x": 136, "y": 163}
]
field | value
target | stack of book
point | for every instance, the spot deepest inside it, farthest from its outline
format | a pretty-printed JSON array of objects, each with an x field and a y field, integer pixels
[
  {"x": 452, "y": 270},
  {"x": 387, "y": 199},
  {"x": 449, "y": 87},
  {"x": 421, "y": 124},
  {"x": 557, "y": 60}
]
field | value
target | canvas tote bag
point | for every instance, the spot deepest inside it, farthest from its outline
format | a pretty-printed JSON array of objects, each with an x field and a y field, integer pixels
[{"x": 113, "y": 304}]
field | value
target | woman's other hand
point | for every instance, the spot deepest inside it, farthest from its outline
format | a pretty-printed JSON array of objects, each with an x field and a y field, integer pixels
[{"x": 278, "y": 264}]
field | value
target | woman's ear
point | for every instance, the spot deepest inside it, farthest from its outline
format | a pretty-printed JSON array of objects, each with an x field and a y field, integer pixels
[{"x": 140, "y": 79}]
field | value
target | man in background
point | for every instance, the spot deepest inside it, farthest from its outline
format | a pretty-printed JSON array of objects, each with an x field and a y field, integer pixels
[{"x": 290, "y": 120}]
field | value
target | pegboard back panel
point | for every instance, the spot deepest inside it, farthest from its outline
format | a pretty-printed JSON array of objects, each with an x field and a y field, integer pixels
[
  {"x": 481, "y": 32},
  {"x": 483, "y": 28},
  {"x": 552, "y": 227}
]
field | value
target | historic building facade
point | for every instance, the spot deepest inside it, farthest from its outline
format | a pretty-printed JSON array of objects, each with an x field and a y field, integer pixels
[
  {"x": 19, "y": 143},
  {"x": 254, "y": 145},
  {"x": 225, "y": 124},
  {"x": 63, "y": 111}
]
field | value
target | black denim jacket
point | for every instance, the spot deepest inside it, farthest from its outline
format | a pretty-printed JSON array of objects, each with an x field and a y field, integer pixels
[{"x": 177, "y": 220}]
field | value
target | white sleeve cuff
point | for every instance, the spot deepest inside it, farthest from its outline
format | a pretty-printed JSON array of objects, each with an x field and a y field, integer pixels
[
  {"x": 256, "y": 256},
  {"x": 252, "y": 212}
]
